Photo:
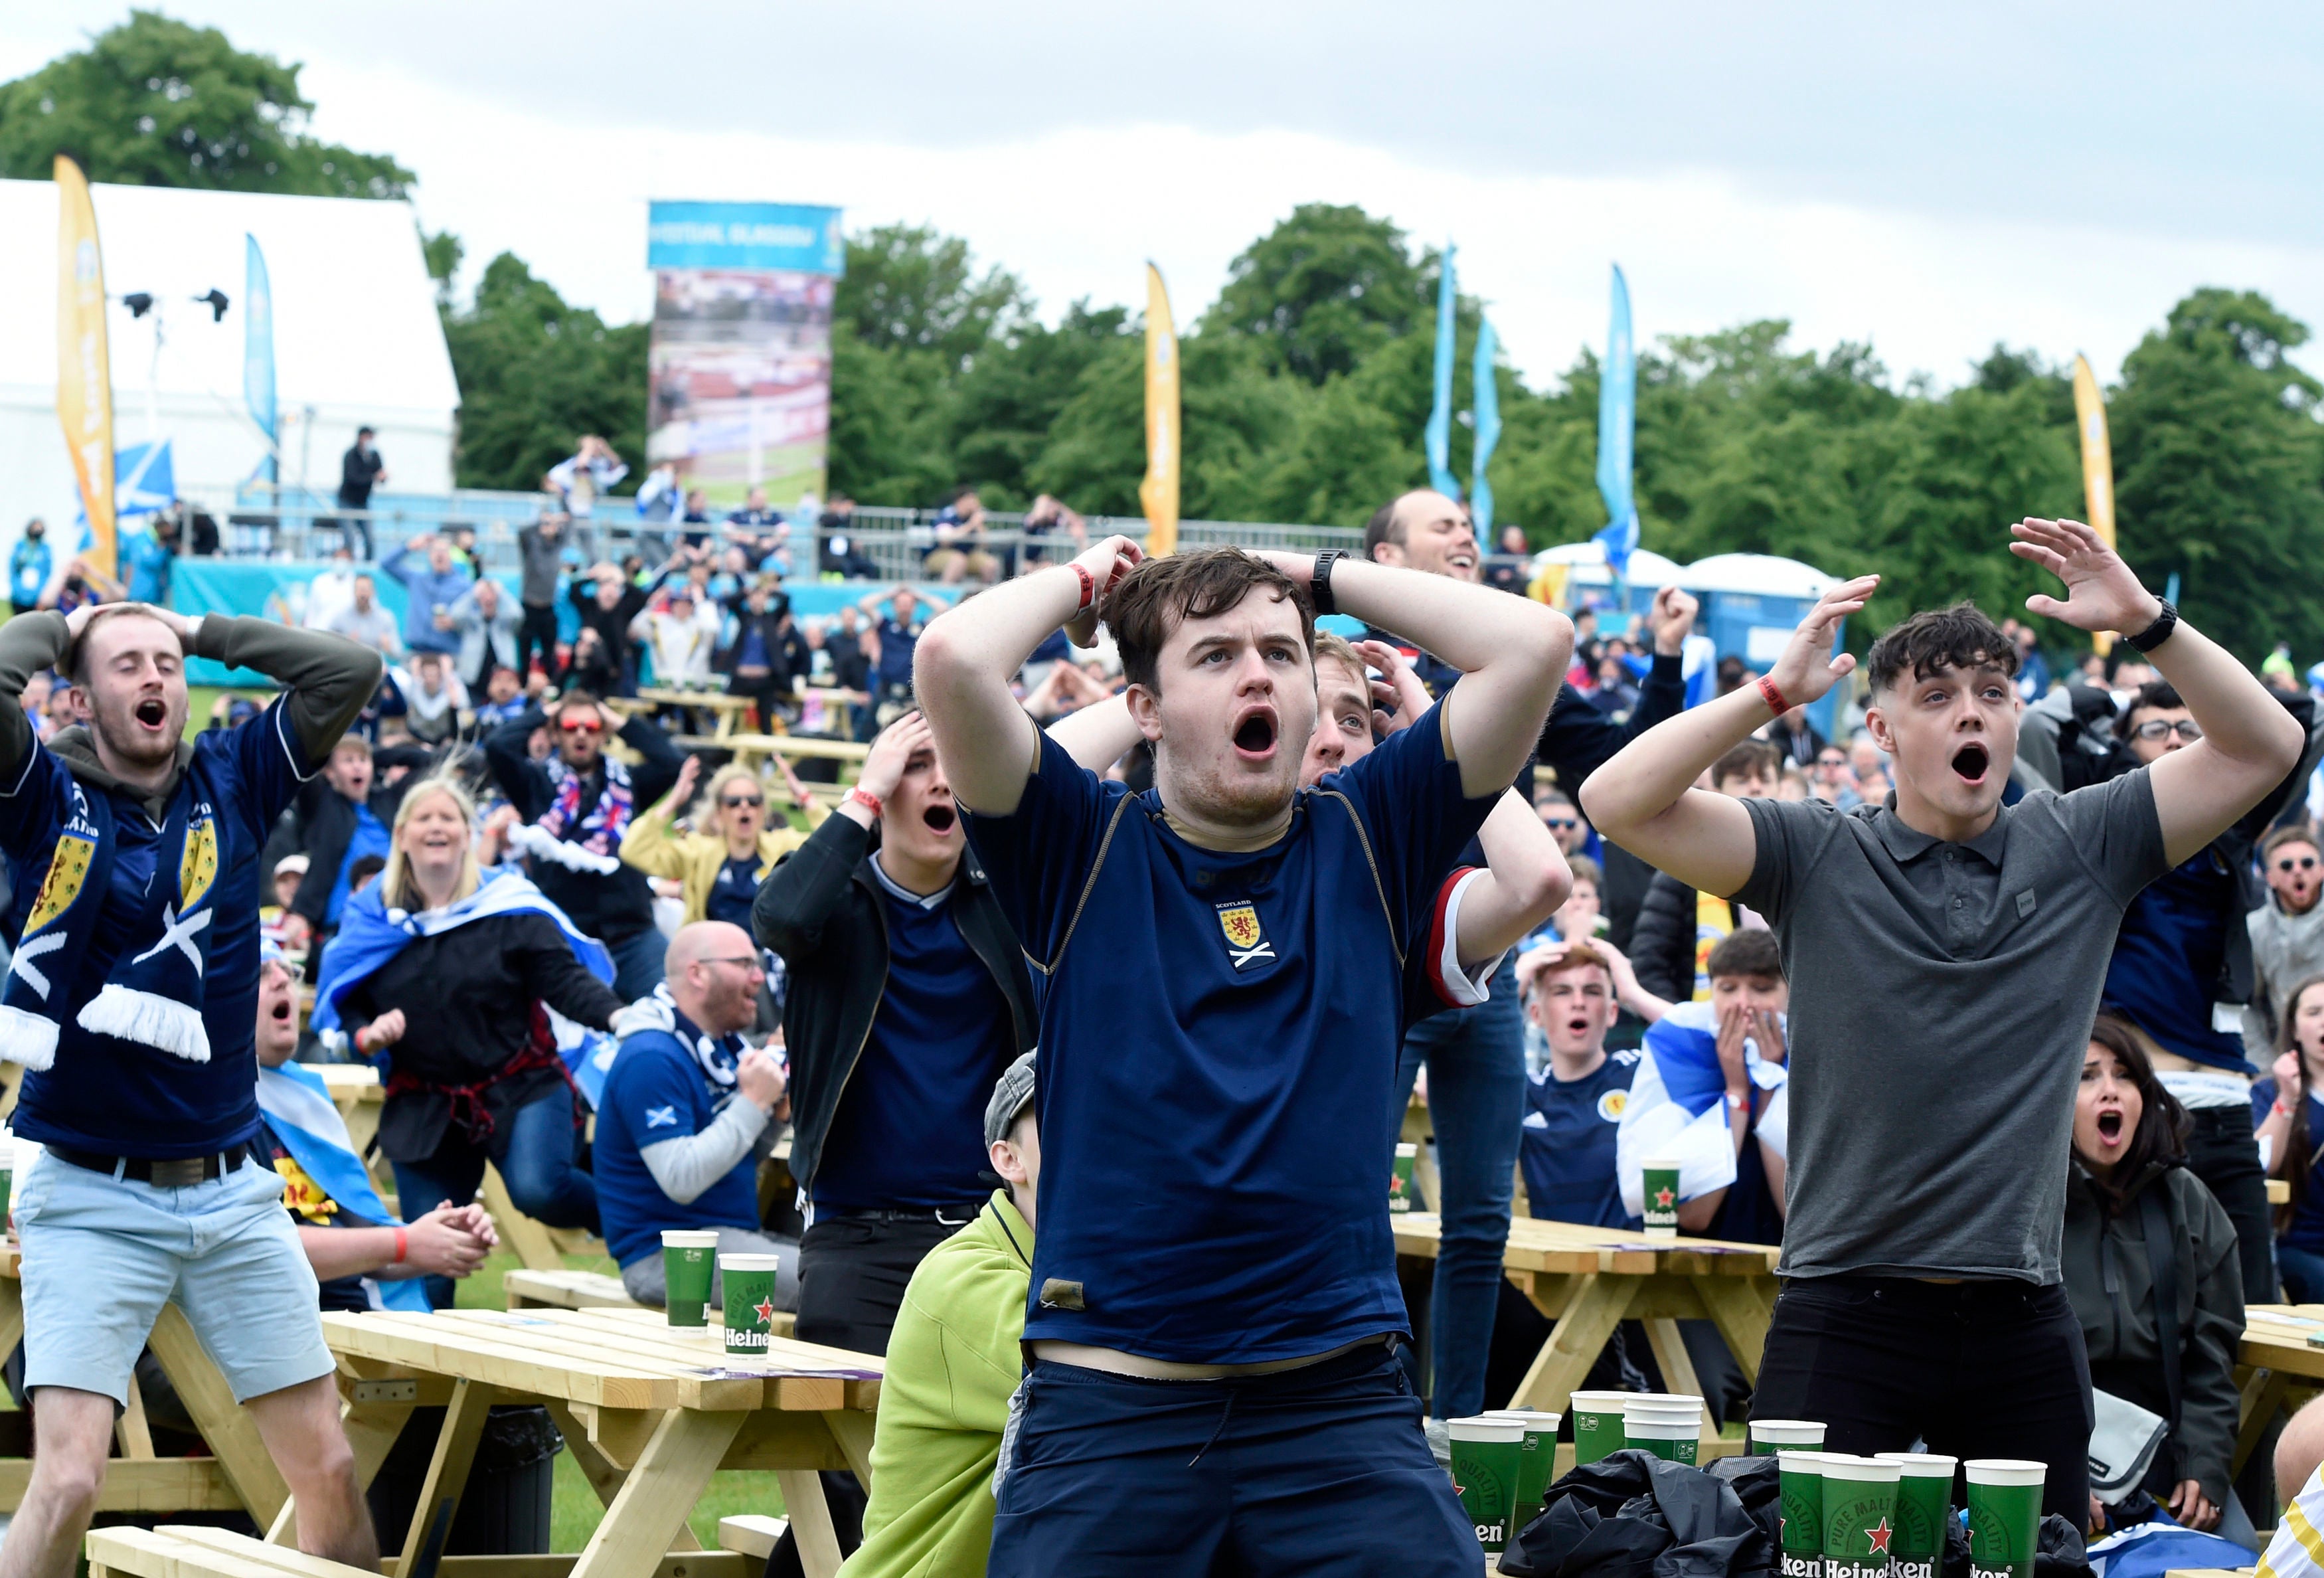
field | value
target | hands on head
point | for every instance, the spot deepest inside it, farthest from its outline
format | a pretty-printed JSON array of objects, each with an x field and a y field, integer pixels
[
  {"x": 1398, "y": 697},
  {"x": 1106, "y": 562},
  {"x": 892, "y": 752}
]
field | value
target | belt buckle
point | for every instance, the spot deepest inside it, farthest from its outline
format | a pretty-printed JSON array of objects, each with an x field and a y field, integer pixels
[{"x": 182, "y": 1174}]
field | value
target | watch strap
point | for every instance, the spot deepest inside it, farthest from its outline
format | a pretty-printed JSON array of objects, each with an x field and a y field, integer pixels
[
  {"x": 2156, "y": 634},
  {"x": 1318, "y": 584}
]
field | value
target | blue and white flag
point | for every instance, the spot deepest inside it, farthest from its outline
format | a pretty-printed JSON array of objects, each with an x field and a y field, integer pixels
[
  {"x": 1618, "y": 410},
  {"x": 144, "y": 479},
  {"x": 1678, "y": 1109},
  {"x": 1698, "y": 665},
  {"x": 1439, "y": 433},
  {"x": 258, "y": 350},
  {"x": 1488, "y": 411},
  {"x": 300, "y": 1114}
]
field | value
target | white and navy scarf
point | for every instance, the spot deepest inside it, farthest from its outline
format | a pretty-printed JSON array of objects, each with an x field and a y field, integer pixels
[{"x": 599, "y": 832}]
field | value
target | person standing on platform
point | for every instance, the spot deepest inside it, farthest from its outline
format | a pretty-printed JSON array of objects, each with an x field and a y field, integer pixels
[
  {"x": 1921, "y": 1251},
  {"x": 361, "y": 469}
]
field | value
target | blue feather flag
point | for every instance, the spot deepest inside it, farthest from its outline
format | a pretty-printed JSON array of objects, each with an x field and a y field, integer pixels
[
  {"x": 1488, "y": 411},
  {"x": 1618, "y": 410},
  {"x": 1439, "y": 433}
]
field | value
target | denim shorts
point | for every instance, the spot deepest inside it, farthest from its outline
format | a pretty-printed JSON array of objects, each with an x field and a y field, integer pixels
[{"x": 102, "y": 1255}]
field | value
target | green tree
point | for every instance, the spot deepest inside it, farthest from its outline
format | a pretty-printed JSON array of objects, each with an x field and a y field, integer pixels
[
  {"x": 908, "y": 288},
  {"x": 1009, "y": 399},
  {"x": 1322, "y": 291},
  {"x": 535, "y": 374},
  {"x": 155, "y": 102},
  {"x": 2218, "y": 459}
]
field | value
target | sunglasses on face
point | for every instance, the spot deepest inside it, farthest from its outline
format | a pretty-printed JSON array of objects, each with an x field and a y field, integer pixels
[
  {"x": 2306, "y": 862},
  {"x": 584, "y": 726},
  {"x": 731, "y": 801},
  {"x": 2161, "y": 729},
  {"x": 1562, "y": 823}
]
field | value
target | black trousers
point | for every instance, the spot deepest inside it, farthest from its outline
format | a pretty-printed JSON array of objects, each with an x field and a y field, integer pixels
[
  {"x": 1975, "y": 1369},
  {"x": 2221, "y": 1151},
  {"x": 538, "y": 628},
  {"x": 852, "y": 1271}
]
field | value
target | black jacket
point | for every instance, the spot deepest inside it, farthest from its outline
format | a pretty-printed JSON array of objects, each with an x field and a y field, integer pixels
[
  {"x": 2109, "y": 1281},
  {"x": 1662, "y": 939},
  {"x": 822, "y": 910},
  {"x": 618, "y": 905},
  {"x": 326, "y": 822}
]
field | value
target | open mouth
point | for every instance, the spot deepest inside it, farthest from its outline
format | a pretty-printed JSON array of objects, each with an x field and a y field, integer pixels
[
  {"x": 281, "y": 1011},
  {"x": 1971, "y": 760},
  {"x": 1255, "y": 735},
  {"x": 152, "y": 714},
  {"x": 1577, "y": 1027},
  {"x": 2110, "y": 1127},
  {"x": 940, "y": 818}
]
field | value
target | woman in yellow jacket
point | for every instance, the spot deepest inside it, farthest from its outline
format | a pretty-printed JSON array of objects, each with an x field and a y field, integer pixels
[{"x": 722, "y": 863}]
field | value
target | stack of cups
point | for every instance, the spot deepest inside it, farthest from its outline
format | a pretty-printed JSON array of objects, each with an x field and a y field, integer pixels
[
  {"x": 750, "y": 1282},
  {"x": 1597, "y": 1424},
  {"x": 1662, "y": 1198},
  {"x": 1860, "y": 1515},
  {"x": 1803, "y": 1482},
  {"x": 1669, "y": 1426},
  {"x": 689, "y": 1259},
  {"x": 1770, "y": 1435},
  {"x": 1924, "y": 1492},
  {"x": 2005, "y": 1511},
  {"x": 1487, "y": 1454},
  {"x": 1399, "y": 1181},
  {"x": 1537, "y": 1461}
]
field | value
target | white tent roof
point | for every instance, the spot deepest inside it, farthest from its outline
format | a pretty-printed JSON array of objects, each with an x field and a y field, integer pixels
[
  {"x": 1648, "y": 567},
  {"x": 1757, "y": 574},
  {"x": 355, "y": 332}
]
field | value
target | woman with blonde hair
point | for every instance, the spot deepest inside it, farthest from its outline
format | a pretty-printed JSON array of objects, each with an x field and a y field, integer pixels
[
  {"x": 733, "y": 847},
  {"x": 441, "y": 974}
]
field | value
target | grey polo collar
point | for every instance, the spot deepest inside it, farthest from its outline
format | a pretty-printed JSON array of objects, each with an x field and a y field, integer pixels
[{"x": 1908, "y": 844}]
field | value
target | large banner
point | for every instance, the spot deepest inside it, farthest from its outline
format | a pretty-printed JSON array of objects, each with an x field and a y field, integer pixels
[{"x": 741, "y": 359}]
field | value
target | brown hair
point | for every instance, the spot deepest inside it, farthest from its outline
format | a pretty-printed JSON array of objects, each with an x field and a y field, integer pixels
[
  {"x": 76, "y": 664},
  {"x": 2300, "y": 1145},
  {"x": 1576, "y": 954},
  {"x": 2163, "y": 1123},
  {"x": 1160, "y": 595},
  {"x": 1752, "y": 951},
  {"x": 1936, "y": 639},
  {"x": 1339, "y": 649},
  {"x": 1752, "y": 757},
  {"x": 2296, "y": 833}
]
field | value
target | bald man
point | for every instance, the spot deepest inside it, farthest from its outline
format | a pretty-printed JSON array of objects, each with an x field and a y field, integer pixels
[{"x": 686, "y": 1105}]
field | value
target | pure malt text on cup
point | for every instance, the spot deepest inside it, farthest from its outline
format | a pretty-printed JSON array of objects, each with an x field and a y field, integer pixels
[
  {"x": 1802, "y": 1514},
  {"x": 1485, "y": 1462},
  {"x": 2005, "y": 1512},
  {"x": 1923, "y": 1501},
  {"x": 1859, "y": 1516}
]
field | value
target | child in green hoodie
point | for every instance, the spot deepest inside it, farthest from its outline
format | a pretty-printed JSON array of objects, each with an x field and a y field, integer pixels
[{"x": 952, "y": 1363}]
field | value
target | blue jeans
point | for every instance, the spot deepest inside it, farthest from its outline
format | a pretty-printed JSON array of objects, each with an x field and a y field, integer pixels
[
  {"x": 532, "y": 1148},
  {"x": 2302, "y": 1271},
  {"x": 1476, "y": 1101},
  {"x": 638, "y": 962}
]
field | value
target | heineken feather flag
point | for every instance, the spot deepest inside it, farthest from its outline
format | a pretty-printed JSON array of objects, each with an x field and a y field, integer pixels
[
  {"x": 2097, "y": 466},
  {"x": 84, "y": 366},
  {"x": 1159, "y": 493}
]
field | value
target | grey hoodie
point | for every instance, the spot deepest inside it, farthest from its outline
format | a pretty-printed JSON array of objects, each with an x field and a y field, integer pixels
[{"x": 2286, "y": 949}]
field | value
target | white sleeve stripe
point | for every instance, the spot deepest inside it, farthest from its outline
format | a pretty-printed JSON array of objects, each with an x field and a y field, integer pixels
[
  {"x": 289, "y": 746},
  {"x": 1463, "y": 988}
]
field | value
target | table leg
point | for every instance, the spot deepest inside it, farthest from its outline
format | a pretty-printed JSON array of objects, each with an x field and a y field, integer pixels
[
  {"x": 1741, "y": 1314},
  {"x": 232, "y": 1434},
  {"x": 447, "y": 1476},
  {"x": 527, "y": 1238},
  {"x": 136, "y": 1438},
  {"x": 2263, "y": 1395},
  {"x": 646, "y": 1516},
  {"x": 811, "y": 1525},
  {"x": 852, "y": 1428},
  {"x": 12, "y": 1311},
  {"x": 1671, "y": 1357},
  {"x": 605, "y": 1476},
  {"x": 1595, "y": 1306}
]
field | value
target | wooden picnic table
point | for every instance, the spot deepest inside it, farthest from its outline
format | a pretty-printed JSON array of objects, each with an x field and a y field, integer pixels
[
  {"x": 749, "y": 748},
  {"x": 2274, "y": 1363},
  {"x": 648, "y": 1411},
  {"x": 729, "y": 706},
  {"x": 2279, "y": 1191},
  {"x": 1590, "y": 1279}
]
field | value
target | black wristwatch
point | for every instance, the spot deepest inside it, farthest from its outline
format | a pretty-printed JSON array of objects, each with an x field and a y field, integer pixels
[
  {"x": 2156, "y": 634},
  {"x": 1319, "y": 586}
]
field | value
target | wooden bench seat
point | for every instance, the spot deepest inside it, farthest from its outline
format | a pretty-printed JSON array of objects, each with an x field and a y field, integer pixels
[
  {"x": 529, "y": 1289},
  {"x": 173, "y": 1551}
]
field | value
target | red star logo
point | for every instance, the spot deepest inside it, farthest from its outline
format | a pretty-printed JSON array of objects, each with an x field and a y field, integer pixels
[
  {"x": 765, "y": 1310},
  {"x": 1879, "y": 1538},
  {"x": 1663, "y": 1198}
]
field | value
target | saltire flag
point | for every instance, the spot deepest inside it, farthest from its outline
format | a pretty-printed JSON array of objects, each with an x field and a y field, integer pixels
[
  {"x": 84, "y": 365},
  {"x": 1438, "y": 435},
  {"x": 1158, "y": 495},
  {"x": 1488, "y": 414},
  {"x": 1677, "y": 1107},
  {"x": 258, "y": 352},
  {"x": 302, "y": 1115},
  {"x": 1618, "y": 410}
]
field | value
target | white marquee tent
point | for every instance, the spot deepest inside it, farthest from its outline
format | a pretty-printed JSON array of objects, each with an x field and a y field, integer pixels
[{"x": 357, "y": 340}]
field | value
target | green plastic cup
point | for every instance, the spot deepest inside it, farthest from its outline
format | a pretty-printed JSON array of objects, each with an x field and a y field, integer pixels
[
  {"x": 1399, "y": 1182},
  {"x": 1924, "y": 1500},
  {"x": 1597, "y": 1424},
  {"x": 1662, "y": 1199},
  {"x": 750, "y": 1301},
  {"x": 1668, "y": 1426},
  {"x": 1537, "y": 1461},
  {"x": 1803, "y": 1482},
  {"x": 1860, "y": 1515},
  {"x": 1486, "y": 1454},
  {"x": 1770, "y": 1435},
  {"x": 2005, "y": 1511},
  {"x": 689, "y": 1263}
]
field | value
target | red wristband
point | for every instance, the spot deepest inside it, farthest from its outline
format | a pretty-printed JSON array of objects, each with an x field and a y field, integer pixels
[
  {"x": 1773, "y": 696},
  {"x": 866, "y": 799},
  {"x": 402, "y": 1245},
  {"x": 1089, "y": 588}
]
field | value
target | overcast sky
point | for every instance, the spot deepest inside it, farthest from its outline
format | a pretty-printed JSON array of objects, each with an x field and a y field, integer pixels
[{"x": 1930, "y": 179}]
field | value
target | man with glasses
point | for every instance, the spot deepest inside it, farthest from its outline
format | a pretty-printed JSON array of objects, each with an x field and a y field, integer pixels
[
  {"x": 2287, "y": 933},
  {"x": 576, "y": 807},
  {"x": 684, "y": 1109},
  {"x": 1834, "y": 780}
]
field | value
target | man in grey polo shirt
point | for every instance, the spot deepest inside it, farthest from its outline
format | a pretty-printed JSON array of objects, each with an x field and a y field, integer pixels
[{"x": 1946, "y": 955}]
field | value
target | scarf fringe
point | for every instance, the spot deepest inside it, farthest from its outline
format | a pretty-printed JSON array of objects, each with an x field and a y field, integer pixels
[
  {"x": 27, "y": 1038},
  {"x": 158, "y": 1022}
]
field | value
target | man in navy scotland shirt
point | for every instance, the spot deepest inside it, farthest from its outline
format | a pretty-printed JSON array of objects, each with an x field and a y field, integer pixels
[{"x": 1215, "y": 1307}]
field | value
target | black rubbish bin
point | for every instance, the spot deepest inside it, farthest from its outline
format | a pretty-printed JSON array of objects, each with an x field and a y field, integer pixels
[{"x": 505, "y": 1507}]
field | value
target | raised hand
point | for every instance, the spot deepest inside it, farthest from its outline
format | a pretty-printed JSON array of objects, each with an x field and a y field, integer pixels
[
  {"x": 1398, "y": 697},
  {"x": 884, "y": 764},
  {"x": 1807, "y": 668},
  {"x": 2101, "y": 592},
  {"x": 1672, "y": 619},
  {"x": 1107, "y": 562},
  {"x": 688, "y": 771}
]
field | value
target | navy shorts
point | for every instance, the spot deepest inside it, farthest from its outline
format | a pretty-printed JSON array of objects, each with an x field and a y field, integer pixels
[{"x": 1318, "y": 1471}]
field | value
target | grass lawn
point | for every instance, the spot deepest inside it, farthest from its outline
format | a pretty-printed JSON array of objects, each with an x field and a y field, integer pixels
[{"x": 575, "y": 1512}]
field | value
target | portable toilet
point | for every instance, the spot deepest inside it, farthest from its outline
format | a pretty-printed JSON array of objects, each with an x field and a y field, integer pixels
[{"x": 1751, "y": 605}]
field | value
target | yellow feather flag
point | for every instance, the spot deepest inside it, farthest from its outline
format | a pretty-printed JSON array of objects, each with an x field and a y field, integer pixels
[
  {"x": 84, "y": 366},
  {"x": 1159, "y": 493},
  {"x": 2097, "y": 466}
]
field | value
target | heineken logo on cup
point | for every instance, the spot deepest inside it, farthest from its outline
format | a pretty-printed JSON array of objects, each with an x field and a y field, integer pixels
[
  {"x": 1923, "y": 1502},
  {"x": 1802, "y": 1512},
  {"x": 1860, "y": 1509},
  {"x": 1661, "y": 1189},
  {"x": 750, "y": 1287},
  {"x": 2005, "y": 1511},
  {"x": 1485, "y": 1461}
]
